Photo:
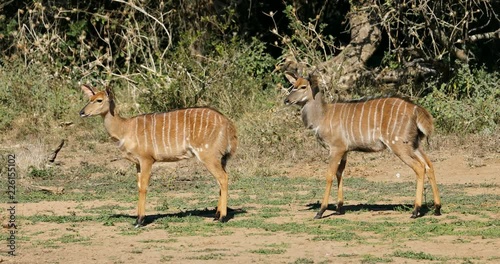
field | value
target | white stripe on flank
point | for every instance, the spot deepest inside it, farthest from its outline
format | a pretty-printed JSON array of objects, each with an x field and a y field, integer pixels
[
  {"x": 153, "y": 134},
  {"x": 169, "y": 127},
  {"x": 360, "y": 124},
  {"x": 403, "y": 119},
  {"x": 331, "y": 118},
  {"x": 177, "y": 130},
  {"x": 389, "y": 123},
  {"x": 184, "y": 130},
  {"x": 381, "y": 122},
  {"x": 188, "y": 127},
  {"x": 163, "y": 134},
  {"x": 144, "y": 132},
  {"x": 201, "y": 120},
  {"x": 215, "y": 120},
  {"x": 137, "y": 131},
  {"x": 194, "y": 121},
  {"x": 206, "y": 125},
  {"x": 415, "y": 114},
  {"x": 346, "y": 123},
  {"x": 152, "y": 127},
  {"x": 341, "y": 124},
  {"x": 397, "y": 118},
  {"x": 374, "y": 129},
  {"x": 353, "y": 106},
  {"x": 368, "y": 125},
  {"x": 370, "y": 121},
  {"x": 214, "y": 125}
]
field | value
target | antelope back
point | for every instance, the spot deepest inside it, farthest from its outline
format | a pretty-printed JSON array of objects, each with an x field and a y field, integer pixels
[
  {"x": 373, "y": 124},
  {"x": 178, "y": 134}
]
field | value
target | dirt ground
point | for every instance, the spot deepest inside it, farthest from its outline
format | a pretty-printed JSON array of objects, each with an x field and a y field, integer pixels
[{"x": 106, "y": 245}]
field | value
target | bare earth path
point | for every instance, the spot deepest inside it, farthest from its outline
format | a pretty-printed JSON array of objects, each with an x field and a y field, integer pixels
[{"x": 95, "y": 242}]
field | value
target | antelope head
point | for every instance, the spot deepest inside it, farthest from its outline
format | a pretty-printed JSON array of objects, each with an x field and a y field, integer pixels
[
  {"x": 301, "y": 91},
  {"x": 101, "y": 102}
]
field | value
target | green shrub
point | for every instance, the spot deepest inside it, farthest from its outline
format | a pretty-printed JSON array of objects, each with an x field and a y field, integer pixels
[
  {"x": 231, "y": 78},
  {"x": 33, "y": 97},
  {"x": 467, "y": 104},
  {"x": 43, "y": 174}
]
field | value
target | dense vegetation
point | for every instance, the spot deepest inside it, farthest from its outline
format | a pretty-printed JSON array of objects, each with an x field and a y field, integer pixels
[{"x": 160, "y": 55}]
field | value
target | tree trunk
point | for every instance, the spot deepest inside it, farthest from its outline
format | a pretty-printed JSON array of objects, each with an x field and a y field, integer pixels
[
  {"x": 346, "y": 69},
  {"x": 340, "y": 74}
]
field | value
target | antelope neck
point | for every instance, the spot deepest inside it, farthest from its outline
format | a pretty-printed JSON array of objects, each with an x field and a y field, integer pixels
[
  {"x": 313, "y": 112},
  {"x": 115, "y": 125}
]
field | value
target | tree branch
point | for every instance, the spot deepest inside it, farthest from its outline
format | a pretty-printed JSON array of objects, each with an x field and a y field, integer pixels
[{"x": 476, "y": 37}]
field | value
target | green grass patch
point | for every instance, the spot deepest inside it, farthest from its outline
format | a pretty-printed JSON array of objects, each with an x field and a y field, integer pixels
[
  {"x": 266, "y": 205},
  {"x": 303, "y": 261},
  {"x": 268, "y": 251},
  {"x": 274, "y": 248},
  {"x": 162, "y": 241},
  {"x": 73, "y": 238},
  {"x": 338, "y": 236},
  {"x": 368, "y": 259},
  {"x": 416, "y": 255},
  {"x": 211, "y": 256}
]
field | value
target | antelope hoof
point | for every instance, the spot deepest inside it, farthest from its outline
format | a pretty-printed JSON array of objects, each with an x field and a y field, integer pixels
[
  {"x": 220, "y": 219},
  {"x": 437, "y": 210},
  {"x": 415, "y": 212},
  {"x": 319, "y": 215},
  {"x": 217, "y": 215},
  {"x": 338, "y": 212},
  {"x": 139, "y": 222}
]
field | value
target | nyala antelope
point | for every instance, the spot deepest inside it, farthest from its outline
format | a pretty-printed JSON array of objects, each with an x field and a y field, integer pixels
[
  {"x": 369, "y": 126},
  {"x": 169, "y": 137}
]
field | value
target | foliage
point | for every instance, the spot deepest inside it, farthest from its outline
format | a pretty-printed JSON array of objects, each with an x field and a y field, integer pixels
[
  {"x": 157, "y": 60},
  {"x": 466, "y": 104},
  {"x": 57, "y": 44},
  {"x": 307, "y": 43},
  {"x": 32, "y": 95},
  {"x": 41, "y": 173},
  {"x": 415, "y": 255},
  {"x": 231, "y": 78},
  {"x": 440, "y": 31}
]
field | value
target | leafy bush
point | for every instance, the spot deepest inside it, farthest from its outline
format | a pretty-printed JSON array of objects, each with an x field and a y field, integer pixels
[
  {"x": 232, "y": 78},
  {"x": 468, "y": 103},
  {"x": 34, "y": 95},
  {"x": 43, "y": 174}
]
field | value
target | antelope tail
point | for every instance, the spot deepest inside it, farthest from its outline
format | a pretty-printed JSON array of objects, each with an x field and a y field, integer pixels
[
  {"x": 232, "y": 144},
  {"x": 424, "y": 123},
  {"x": 233, "y": 140}
]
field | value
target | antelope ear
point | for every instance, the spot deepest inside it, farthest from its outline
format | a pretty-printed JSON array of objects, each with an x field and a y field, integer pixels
[
  {"x": 87, "y": 90},
  {"x": 291, "y": 77},
  {"x": 109, "y": 93}
]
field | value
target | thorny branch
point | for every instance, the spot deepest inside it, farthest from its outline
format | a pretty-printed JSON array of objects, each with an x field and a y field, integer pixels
[{"x": 436, "y": 29}]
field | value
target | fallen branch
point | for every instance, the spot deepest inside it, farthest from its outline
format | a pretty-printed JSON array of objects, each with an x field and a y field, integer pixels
[
  {"x": 53, "y": 156},
  {"x": 47, "y": 189}
]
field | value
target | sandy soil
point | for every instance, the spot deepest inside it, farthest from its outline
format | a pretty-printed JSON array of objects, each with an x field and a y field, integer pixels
[{"x": 107, "y": 245}]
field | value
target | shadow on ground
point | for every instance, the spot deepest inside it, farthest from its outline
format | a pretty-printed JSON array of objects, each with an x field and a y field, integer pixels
[
  {"x": 206, "y": 213},
  {"x": 369, "y": 207}
]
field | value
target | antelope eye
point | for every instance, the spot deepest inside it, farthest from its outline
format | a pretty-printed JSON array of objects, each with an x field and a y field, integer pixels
[
  {"x": 99, "y": 100},
  {"x": 303, "y": 87}
]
